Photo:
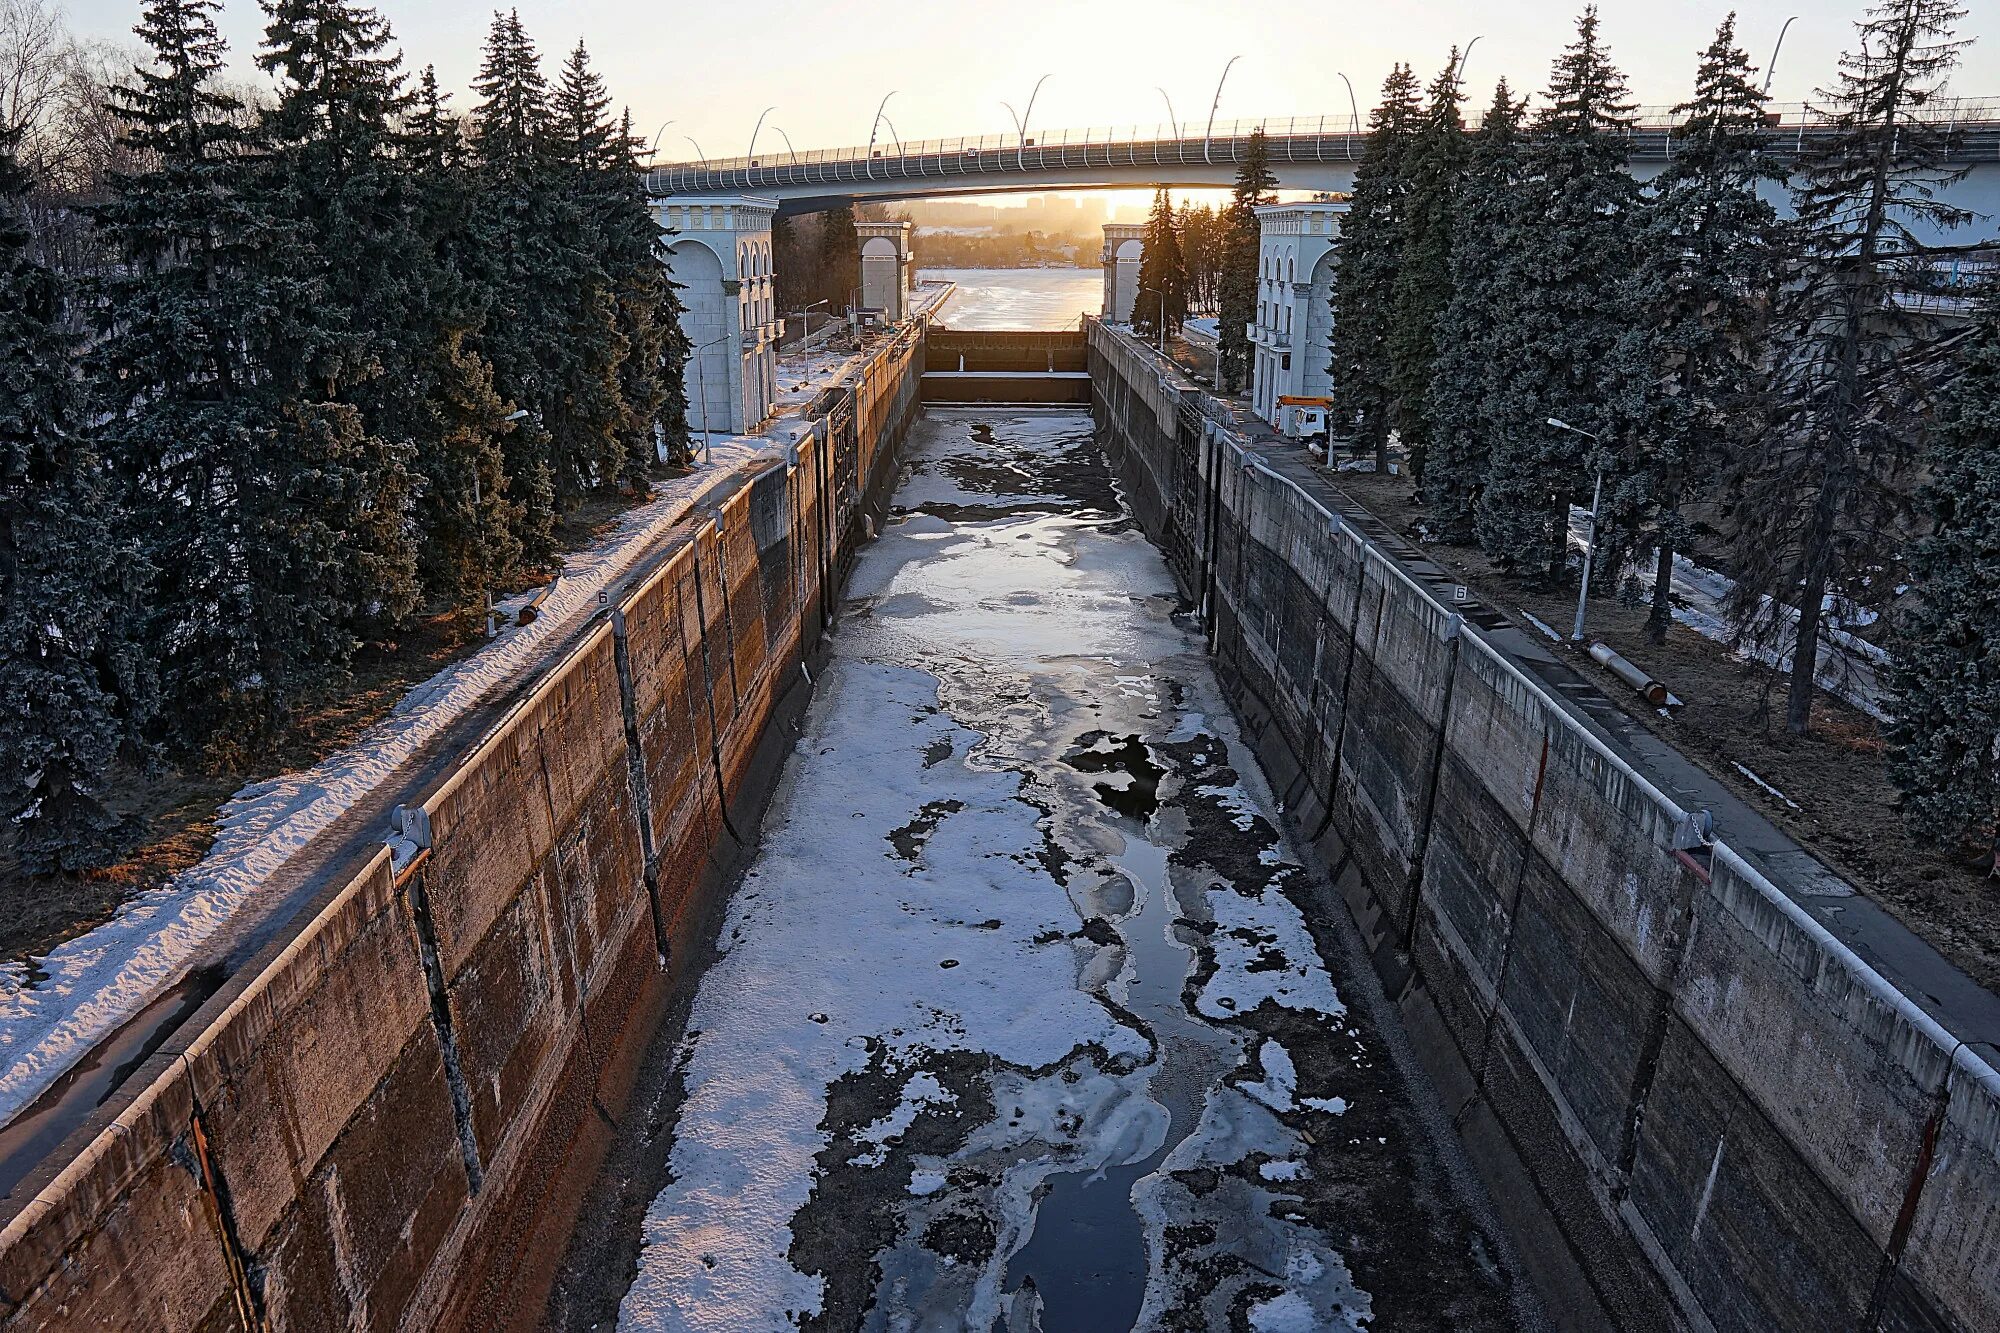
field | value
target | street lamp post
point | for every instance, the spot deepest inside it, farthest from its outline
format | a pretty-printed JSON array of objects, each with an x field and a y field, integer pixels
[
  {"x": 1458, "y": 75},
  {"x": 1021, "y": 125},
  {"x": 1209, "y": 133},
  {"x": 874, "y": 125},
  {"x": 1353, "y": 116},
  {"x": 1590, "y": 548},
  {"x": 751, "y": 156},
  {"x": 805, "y": 320},
  {"x": 654, "y": 155},
  {"x": 697, "y": 151},
  {"x": 1172, "y": 119},
  {"x": 1772, "y": 68}
]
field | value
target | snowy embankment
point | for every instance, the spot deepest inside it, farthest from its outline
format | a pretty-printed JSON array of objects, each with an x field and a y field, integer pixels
[
  {"x": 56, "y": 1008},
  {"x": 1849, "y": 666}
]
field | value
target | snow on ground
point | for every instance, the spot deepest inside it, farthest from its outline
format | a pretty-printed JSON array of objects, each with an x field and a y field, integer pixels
[
  {"x": 1849, "y": 666},
  {"x": 90, "y": 985}
]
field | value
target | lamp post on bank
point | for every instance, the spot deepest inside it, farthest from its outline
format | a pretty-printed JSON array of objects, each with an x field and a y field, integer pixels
[{"x": 1590, "y": 549}]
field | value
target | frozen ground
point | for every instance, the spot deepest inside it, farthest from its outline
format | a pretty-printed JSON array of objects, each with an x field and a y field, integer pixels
[
  {"x": 1018, "y": 1022},
  {"x": 57, "y": 1007}
]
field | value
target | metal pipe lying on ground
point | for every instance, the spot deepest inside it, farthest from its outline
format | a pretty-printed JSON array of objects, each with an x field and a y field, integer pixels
[{"x": 1655, "y": 692}]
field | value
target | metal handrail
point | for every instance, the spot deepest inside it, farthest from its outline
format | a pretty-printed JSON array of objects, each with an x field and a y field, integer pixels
[{"x": 1973, "y": 124}]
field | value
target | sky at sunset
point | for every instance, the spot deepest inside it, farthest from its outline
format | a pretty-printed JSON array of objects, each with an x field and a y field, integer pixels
[{"x": 823, "y": 65}]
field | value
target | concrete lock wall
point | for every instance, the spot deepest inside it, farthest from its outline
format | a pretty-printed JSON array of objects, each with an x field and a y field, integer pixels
[
  {"x": 389, "y": 1121},
  {"x": 1729, "y": 1119}
]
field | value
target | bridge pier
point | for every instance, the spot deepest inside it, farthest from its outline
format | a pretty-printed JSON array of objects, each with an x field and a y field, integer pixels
[
  {"x": 719, "y": 250},
  {"x": 1291, "y": 340},
  {"x": 885, "y": 268},
  {"x": 1124, "y": 246}
]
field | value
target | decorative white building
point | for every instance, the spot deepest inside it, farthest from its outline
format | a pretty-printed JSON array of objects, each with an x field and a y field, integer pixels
[
  {"x": 1291, "y": 341},
  {"x": 719, "y": 250},
  {"x": 885, "y": 268},
  {"x": 1124, "y": 246}
]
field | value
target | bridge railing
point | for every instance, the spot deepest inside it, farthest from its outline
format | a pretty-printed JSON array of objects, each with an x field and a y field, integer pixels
[{"x": 1972, "y": 124}]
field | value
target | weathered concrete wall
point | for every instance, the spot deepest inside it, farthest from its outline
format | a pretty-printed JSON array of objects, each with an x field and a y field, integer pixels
[
  {"x": 388, "y": 1123},
  {"x": 1733, "y": 1122}
]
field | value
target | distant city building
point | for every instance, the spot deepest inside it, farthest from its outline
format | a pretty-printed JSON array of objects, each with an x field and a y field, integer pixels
[
  {"x": 1124, "y": 245},
  {"x": 1291, "y": 340},
  {"x": 719, "y": 250},
  {"x": 885, "y": 268}
]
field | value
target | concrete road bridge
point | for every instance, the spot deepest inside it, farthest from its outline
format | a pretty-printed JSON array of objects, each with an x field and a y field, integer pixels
[{"x": 1307, "y": 153}]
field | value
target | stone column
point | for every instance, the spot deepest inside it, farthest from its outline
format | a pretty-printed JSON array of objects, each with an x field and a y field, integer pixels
[
  {"x": 719, "y": 250},
  {"x": 1124, "y": 245},
  {"x": 885, "y": 268}
]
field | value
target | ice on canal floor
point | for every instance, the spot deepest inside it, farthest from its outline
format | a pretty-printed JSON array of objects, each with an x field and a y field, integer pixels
[{"x": 936, "y": 1022}]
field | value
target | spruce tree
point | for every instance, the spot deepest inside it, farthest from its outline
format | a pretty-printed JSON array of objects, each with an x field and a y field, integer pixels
[
  {"x": 1434, "y": 171},
  {"x": 70, "y": 582},
  {"x": 1944, "y": 677},
  {"x": 839, "y": 259},
  {"x": 1163, "y": 280},
  {"x": 1461, "y": 405},
  {"x": 325, "y": 173},
  {"x": 1372, "y": 239},
  {"x": 1819, "y": 498},
  {"x": 586, "y": 411},
  {"x": 1708, "y": 256},
  {"x": 445, "y": 400},
  {"x": 1236, "y": 285},
  {"x": 240, "y": 483},
  {"x": 652, "y": 377},
  {"x": 1562, "y": 352},
  {"x": 523, "y": 270}
]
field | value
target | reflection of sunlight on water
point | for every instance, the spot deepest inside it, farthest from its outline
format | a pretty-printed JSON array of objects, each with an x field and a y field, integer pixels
[{"x": 1019, "y": 298}]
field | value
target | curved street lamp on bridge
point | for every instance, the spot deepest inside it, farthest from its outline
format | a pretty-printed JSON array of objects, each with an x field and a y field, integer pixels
[
  {"x": 752, "y": 153},
  {"x": 1021, "y": 122},
  {"x": 873, "y": 126},
  {"x": 1209, "y": 133}
]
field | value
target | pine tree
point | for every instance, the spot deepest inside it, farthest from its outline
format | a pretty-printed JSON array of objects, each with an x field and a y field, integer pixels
[
  {"x": 1373, "y": 235},
  {"x": 1562, "y": 353},
  {"x": 1461, "y": 403},
  {"x": 1434, "y": 170},
  {"x": 70, "y": 583},
  {"x": 1709, "y": 254},
  {"x": 1818, "y": 500},
  {"x": 239, "y": 485},
  {"x": 1236, "y": 294},
  {"x": 1163, "y": 279},
  {"x": 1944, "y": 677}
]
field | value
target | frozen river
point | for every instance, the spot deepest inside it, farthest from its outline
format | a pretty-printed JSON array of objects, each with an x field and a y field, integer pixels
[
  {"x": 1019, "y": 298},
  {"x": 1018, "y": 1022}
]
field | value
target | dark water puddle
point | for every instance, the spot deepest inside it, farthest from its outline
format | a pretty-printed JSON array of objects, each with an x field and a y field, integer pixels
[
  {"x": 37, "y": 1131},
  {"x": 1127, "y": 757},
  {"x": 909, "y": 840},
  {"x": 1087, "y": 1256}
]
